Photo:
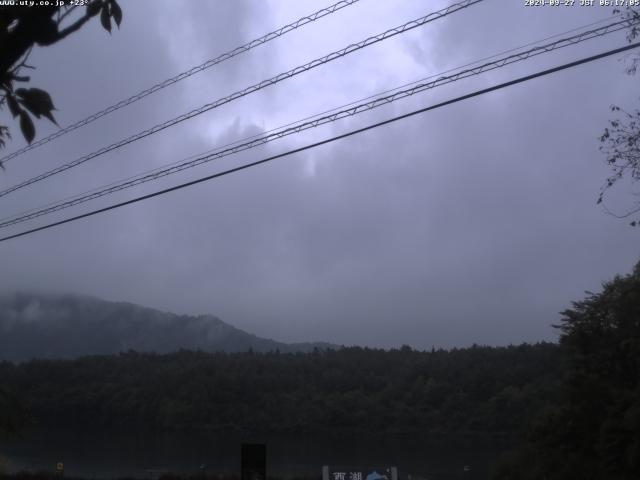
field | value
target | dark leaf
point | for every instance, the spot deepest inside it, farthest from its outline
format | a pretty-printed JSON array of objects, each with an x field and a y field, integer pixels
[
  {"x": 39, "y": 96},
  {"x": 33, "y": 111},
  {"x": 50, "y": 117},
  {"x": 26, "y": 125},
  {"x": 37, "y": 101},
  {"x": 4, "y": 132},
  {"x": 20, "y": 78},
  {"x": 45, "y": 31},
  {"x": 14, "y": 108},
  {"x": 104, "y": 17},
  {"x": 94, "y": 7},
  {"x": 116, "y": 12}
]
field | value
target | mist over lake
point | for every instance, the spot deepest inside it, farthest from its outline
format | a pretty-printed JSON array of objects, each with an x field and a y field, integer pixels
[{"x": 105, "y": 454}]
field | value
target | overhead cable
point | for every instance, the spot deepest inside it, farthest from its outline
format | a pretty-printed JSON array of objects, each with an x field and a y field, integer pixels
[
  {"x": 181, "y": 76},
  {"x": 354, "y": 110},
  {"x": 328, "y": 140},
  {"x": 254, "y": 88}
]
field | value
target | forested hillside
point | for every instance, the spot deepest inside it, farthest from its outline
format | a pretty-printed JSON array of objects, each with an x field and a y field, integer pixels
[
  {"x": 593, "y": 431},
  {"x": 477, "y": 389},
  {"x": 70, "y": 326}
]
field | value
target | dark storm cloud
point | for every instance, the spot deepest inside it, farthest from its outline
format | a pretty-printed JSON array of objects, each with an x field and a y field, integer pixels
[{"x": 474, "y": 223}]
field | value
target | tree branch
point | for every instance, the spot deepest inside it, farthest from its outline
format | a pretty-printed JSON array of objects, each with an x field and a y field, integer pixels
[
  {"x": 67, "y": 12},
  {"x": 72, "y": 28}
]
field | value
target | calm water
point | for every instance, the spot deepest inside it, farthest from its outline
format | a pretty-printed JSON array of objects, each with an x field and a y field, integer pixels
[{"x": 101, "y": 454}]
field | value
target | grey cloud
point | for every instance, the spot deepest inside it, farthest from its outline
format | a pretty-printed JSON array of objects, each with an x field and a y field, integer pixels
[{"x": 474, "y": 223}]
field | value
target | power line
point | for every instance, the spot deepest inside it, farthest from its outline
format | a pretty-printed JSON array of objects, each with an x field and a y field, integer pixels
[
  {"x": 182, "y": 165},
  {"x": 258, "y": 140},
  {"x": 354, "y": 102},
  {"x": 181, "y": 76},
  {"x": 330, "y": 140},
  {"x": 258, "y": 86}
]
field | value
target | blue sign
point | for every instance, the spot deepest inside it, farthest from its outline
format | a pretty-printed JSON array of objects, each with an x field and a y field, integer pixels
[{"x": 357, "y": 473}]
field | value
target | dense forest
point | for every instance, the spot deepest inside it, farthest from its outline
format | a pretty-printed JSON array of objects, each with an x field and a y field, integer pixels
[
  {"x": 573, "y": 408},
  {"x": 478, "y": 389},
  {"x": 591, "y": 431}
]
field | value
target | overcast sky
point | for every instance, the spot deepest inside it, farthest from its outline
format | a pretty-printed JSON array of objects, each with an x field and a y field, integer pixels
[{"x": 472, "y": 223}]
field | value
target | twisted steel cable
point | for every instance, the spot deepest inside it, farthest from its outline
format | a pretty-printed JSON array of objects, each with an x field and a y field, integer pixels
[
  {"x": 306, "y": 125},
  {"x": 253, "y": 88},
  {"x": 388, "y": 121},
  {"x": 181, "y": 76}
]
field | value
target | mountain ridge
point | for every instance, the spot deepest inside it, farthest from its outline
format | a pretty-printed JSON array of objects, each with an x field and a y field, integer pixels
[{"x": 70, "y": 326}]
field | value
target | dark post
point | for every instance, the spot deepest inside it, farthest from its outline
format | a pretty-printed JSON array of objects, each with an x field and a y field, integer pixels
[{"x": 254, "y": 461}]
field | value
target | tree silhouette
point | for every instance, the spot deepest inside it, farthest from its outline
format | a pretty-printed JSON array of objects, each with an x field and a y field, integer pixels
[
  {"x": 13, "y": 415},
  {"x": 621, "y": 139},
  {"x": 22, "y": 28},
  {"x": 593, "y": 432}
]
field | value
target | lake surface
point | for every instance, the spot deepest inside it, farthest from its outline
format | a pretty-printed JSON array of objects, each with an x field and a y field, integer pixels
[{"x": 102, "y": 454}]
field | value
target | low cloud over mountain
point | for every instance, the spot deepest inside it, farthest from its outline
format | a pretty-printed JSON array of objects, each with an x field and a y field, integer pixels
[{"x": 67, "y": 326}]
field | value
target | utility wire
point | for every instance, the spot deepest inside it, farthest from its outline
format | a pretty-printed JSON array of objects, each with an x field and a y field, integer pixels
[
  {"x": 360, "y": 108},
  {"x": 181, "y": 76},
  {"x": 207, "y": 156},
  {"x": 332, "y": 139},
  {"x": 354, "y": 102},
  {"x": 106, "y": 189},
  {"x": 258, "y": 86}
]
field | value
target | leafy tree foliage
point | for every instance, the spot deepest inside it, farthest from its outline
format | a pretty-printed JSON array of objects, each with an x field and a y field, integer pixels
[
  {"x": 475, "y": 390},
  {"x": 594, "y": 431},
  {"x": 13, "y": 415},
  {"x": 22, "y": 28},
  {"x": 621, "y": 139}
]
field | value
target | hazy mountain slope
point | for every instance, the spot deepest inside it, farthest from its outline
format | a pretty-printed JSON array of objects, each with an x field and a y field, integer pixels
[{"x": 67, "y": 326}]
